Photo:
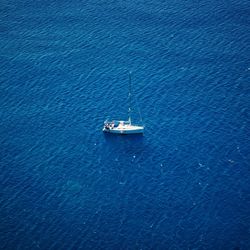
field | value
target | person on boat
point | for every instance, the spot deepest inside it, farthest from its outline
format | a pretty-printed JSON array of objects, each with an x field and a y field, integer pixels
[{"x": 107, "y": 126}]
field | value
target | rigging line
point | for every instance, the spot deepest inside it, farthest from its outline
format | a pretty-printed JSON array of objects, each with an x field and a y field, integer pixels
[
  {"x": 129, "y": 96},
  {"x": 139, "y": 111},
  {"x": 130, "y": 101},
  {"x": 135, "y": 99}
]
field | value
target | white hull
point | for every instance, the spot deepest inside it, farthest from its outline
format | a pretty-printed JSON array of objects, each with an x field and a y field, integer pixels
[
  {"x": 137, "y": 130},
  {"x": 122, "y": 128}
]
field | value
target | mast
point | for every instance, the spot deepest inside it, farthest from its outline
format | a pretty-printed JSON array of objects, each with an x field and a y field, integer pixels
[{"x": 129, "y": 98}]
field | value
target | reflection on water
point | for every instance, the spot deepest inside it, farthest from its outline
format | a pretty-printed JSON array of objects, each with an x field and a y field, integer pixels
[
  {"x": 130, "y": 145},
  {"x": 132, "y": 140}
]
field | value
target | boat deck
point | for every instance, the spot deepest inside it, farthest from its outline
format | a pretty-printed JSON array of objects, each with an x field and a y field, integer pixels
[{"x": 124, "y": 128}]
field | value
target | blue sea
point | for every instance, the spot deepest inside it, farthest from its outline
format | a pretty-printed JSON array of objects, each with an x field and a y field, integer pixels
[{"x": 184, "y": 184}]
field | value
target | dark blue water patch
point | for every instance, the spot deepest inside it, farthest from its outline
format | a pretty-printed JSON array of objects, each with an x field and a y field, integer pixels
[{"x": 65, "y": 184}]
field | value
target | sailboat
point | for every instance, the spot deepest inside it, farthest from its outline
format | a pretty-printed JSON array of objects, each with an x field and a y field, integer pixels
[{"x": 124, "y": 127}]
